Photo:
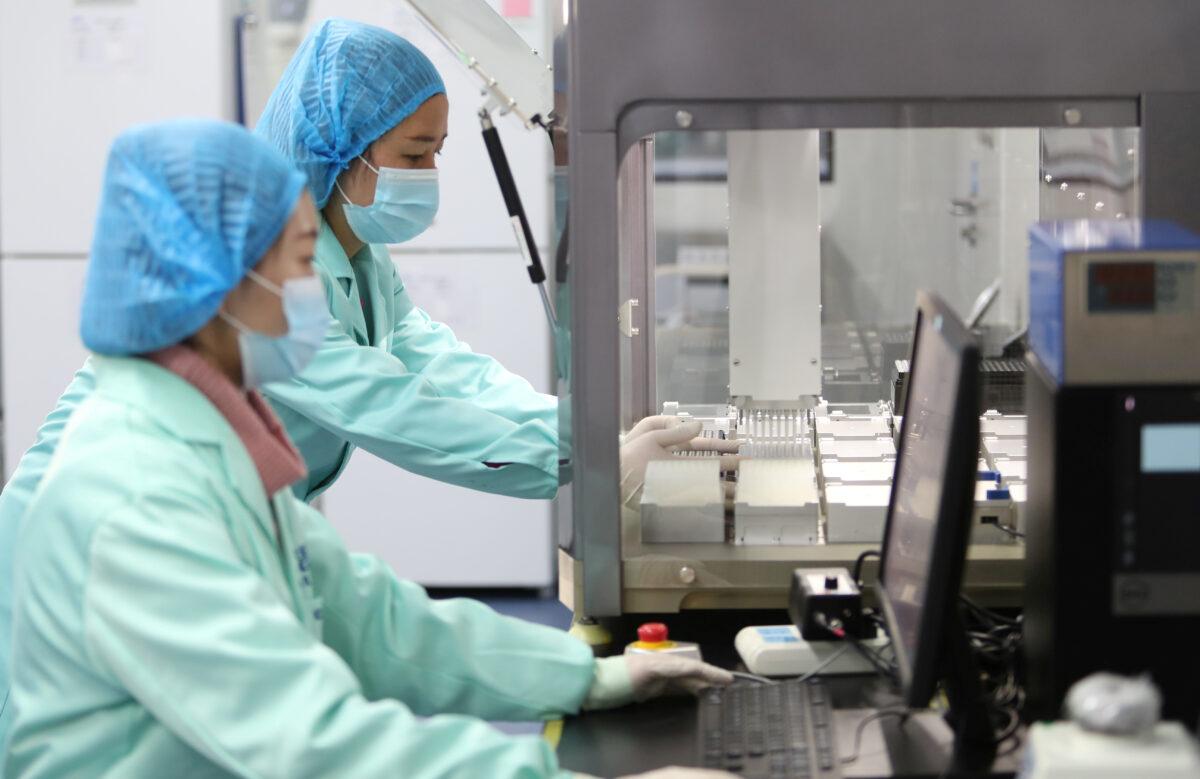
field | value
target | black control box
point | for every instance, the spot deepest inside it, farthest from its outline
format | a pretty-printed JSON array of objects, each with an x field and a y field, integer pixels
[{"x": 824, "y": 601}]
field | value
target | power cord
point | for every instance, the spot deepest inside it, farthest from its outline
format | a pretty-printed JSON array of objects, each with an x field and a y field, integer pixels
[
  {"x": 1010, "y": 531},
  {"x": 881, "y": 667},
  {"x": 995, "y": 522},
  {"x": 858, "y": 564},
  {"x": 903, "y": 714},
  {"x": 820, "y": 667},
  {"x": 996, "y": 641}
]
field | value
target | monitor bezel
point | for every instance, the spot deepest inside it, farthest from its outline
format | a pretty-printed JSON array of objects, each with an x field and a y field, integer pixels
[{"x": 919, "y": 674}]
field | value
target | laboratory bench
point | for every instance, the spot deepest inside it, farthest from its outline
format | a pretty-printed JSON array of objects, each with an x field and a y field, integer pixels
[{"x": 663, "y": 732}]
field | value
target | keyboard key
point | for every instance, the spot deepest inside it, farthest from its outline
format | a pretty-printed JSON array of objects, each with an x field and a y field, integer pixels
[{"x": 763, "y": 731}]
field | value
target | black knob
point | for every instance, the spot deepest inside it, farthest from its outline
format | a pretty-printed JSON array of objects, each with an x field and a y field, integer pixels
[{"x": 831, "y": 582}]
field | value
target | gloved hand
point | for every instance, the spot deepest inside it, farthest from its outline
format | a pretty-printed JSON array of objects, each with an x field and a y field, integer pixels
[
  {"x": 661, "y": 437},
  {"x": 628, "y": 678}
]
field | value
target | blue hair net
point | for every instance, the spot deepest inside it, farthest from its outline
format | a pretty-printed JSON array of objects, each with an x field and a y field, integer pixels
[
  {"x": 347, "y": 85},
  {"x": 187, "y": 207}
]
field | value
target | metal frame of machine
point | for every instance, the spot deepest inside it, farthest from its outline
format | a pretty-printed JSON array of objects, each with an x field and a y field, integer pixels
[{"x": 638, "y": 67}]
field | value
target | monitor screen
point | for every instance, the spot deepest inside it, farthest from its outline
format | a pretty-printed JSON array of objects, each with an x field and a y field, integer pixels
[{"x": 921, "y": 473}]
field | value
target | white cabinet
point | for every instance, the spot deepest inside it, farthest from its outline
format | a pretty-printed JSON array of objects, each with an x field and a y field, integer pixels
[
  {"x": 72, "y": 76},
  {"x": 39, "y": 319}
]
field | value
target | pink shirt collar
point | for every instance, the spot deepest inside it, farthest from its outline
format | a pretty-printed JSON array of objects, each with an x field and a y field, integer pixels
[{"x": 279, "y": 464}]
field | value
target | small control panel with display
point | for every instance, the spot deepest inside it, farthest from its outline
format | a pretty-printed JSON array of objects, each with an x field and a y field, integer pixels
[{"x": 1141, "y": 287}]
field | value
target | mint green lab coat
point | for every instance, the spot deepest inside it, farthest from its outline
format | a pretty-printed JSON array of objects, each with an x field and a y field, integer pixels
[
  {"x": 402, "y": 387},
  {"x": 173, "y": 620}
]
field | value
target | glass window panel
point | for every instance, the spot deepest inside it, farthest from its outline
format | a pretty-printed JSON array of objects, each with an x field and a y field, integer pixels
[{"x": 899, "y": 210}]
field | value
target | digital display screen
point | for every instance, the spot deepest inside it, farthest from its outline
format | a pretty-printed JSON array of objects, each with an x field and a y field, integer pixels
[
  {"x": 1172, "y": 448},
  {"x": 1121, "y": 286},
  {"x": 1142, "y": 287}
]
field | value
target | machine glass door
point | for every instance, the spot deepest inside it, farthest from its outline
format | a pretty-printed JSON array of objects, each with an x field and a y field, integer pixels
[
  {"x": 768, "y": 283},
  {"x": 785, "y": 263}
]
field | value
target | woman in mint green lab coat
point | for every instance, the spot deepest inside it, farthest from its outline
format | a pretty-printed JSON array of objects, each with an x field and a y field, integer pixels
[
  {"x": 362, "y": 113},
  {"x": 178, "y": 611}
]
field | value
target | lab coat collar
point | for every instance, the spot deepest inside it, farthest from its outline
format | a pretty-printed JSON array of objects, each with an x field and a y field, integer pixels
[
  {"x": 260, "y": 431},
  {"x": 346, "y": 305},
  {"x": 169, "y": 399},
  {"x": 330, "y": 254},
  {"x": 183, "y": 412}
]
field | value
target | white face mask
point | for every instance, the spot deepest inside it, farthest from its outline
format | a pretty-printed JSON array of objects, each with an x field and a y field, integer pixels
[{"x": 268, "y": 358}]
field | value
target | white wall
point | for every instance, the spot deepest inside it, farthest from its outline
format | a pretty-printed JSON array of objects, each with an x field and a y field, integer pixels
[{"x": 72, "y": 76}]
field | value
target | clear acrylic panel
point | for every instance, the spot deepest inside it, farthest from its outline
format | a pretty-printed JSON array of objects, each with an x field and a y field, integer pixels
[
  {"x": 899, "y": 210},
  {"x": 516, "y": 75}
]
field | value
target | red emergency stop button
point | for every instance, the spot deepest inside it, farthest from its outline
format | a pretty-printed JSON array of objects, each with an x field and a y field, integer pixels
[{"x": 652, "y": 633}]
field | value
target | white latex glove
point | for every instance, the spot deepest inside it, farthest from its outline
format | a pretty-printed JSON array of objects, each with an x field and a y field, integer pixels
[
  {"x": 629, "y": 678},
  {"x": 666, "y": 422},
  {"x": 661, "y": 437}
]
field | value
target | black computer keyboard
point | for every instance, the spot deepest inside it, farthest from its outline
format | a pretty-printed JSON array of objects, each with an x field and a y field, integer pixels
[{"x": 776, "y": 731}]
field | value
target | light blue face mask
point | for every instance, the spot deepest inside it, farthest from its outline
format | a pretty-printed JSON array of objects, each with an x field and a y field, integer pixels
[
  {"x": 268, "y": 358},
  {"x": 405, "y": 203}
]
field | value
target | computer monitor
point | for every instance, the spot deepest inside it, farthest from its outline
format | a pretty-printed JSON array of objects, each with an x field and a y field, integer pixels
[{"x": 928, "y": 526}]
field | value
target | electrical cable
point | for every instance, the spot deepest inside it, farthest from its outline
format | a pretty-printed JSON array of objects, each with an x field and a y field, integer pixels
[
  {"x": 820, "y": 667},
  {"x": 862, "y": 726},
  {"x": 858, "y": 564},
  {"x": 1010, "y": 531},
  {"x": 995, "y": 640},
  {"x": 881, "y": 667},
  {"x": 824, "y": 664}
]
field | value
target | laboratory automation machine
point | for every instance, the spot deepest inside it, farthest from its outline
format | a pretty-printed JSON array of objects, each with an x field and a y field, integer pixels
[
  {"x": 754, "y": 199},
  {"x": 1114, "y": 456}
]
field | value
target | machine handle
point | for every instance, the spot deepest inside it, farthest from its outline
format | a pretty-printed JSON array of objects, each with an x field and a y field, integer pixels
[{"x": 512, "y": 199}]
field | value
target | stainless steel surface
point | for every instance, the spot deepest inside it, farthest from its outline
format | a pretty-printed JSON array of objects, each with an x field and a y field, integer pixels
[
  {"x": 774, "y": 257},
  {"x": 809, "y": 50},
  {"x": 676, "y": 577},
  {"x": 646, "y": 118},
  {"x": 595, "y": 388},
  {"x": 635, "y": 206},
  {"x": 1170, "y": 155}
]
